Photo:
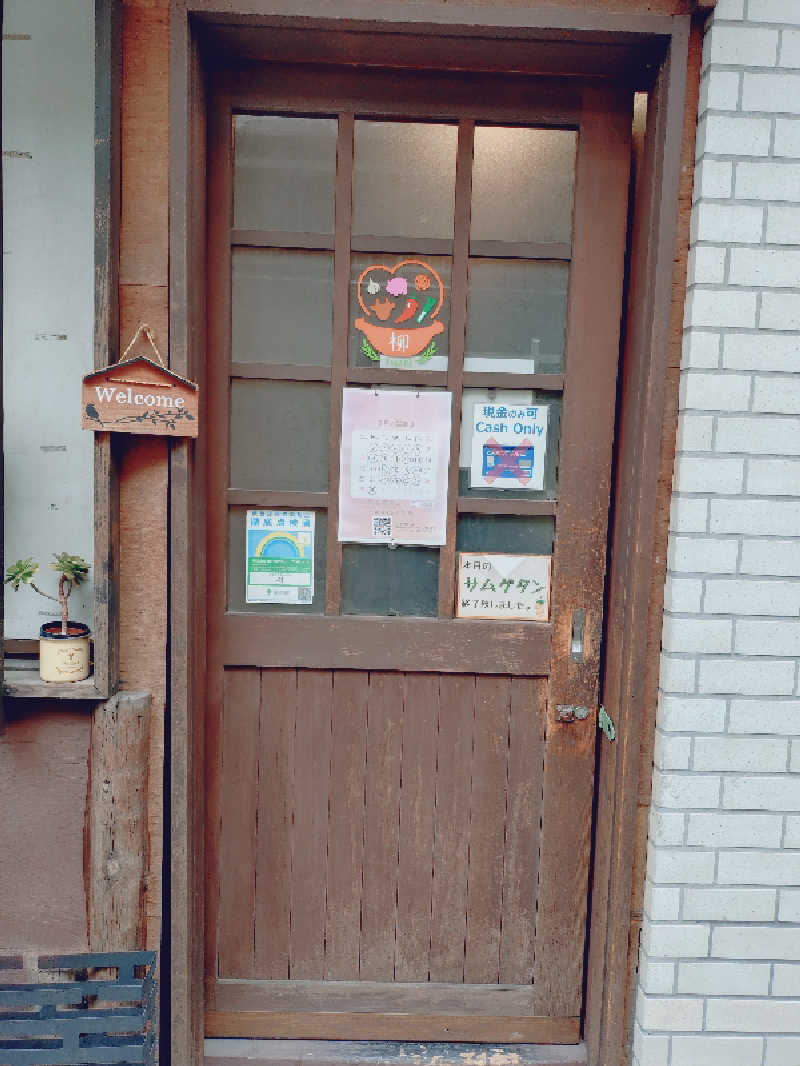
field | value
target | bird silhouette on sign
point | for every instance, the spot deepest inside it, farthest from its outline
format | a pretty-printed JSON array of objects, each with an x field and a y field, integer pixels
[{"x": 92, "y": 412}]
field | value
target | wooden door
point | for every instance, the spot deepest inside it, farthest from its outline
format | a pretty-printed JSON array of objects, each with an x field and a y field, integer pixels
[{"x": 399, "y": 799}]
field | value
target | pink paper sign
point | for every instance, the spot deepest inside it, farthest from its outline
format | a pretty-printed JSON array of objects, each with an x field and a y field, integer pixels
[{"x": 393, "y": 467}]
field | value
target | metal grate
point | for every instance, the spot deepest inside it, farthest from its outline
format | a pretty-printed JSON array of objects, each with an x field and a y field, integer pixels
[{"x": 89, "y": 1020}]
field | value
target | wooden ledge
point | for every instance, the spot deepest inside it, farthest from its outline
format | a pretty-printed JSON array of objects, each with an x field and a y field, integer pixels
[{"x": 23, "y": 682}]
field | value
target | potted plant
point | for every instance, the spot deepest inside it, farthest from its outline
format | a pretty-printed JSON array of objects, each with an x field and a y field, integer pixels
[{"x": 63, "y": 645}]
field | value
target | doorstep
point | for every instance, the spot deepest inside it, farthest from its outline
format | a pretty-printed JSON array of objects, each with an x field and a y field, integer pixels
[{"x": 388, "y": 1053}]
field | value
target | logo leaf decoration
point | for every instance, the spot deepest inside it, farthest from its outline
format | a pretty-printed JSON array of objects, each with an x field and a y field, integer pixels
[{"x": 368, "y": 351}]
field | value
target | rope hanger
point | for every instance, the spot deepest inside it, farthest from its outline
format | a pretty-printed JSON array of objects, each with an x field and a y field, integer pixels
[{"x": 144, "y": 328}]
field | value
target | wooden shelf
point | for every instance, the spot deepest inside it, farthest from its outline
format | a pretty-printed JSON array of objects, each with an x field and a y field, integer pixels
[{"x": 21, "y": 681}]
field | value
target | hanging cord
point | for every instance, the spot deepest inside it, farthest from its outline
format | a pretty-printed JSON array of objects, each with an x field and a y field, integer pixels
[{"x": 143, "y": 328}]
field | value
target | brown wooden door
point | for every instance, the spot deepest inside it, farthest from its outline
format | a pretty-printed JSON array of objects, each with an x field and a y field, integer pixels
[{"x": 399, "y": 806}]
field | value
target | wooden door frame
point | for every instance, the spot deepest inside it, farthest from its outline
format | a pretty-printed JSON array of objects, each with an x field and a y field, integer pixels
[{"x": 653, "y": 50}]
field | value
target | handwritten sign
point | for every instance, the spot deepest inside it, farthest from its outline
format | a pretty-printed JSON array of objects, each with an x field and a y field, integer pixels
[
  {"x": 503, "y": 586},
  {"x": 509, "y": 444},
  {"x": 394, "y": 459},
  {"x": 139, "y": 396},
  {"x": 280, "y": 557}
]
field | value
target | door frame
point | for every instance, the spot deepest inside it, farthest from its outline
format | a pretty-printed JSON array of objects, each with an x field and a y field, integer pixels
[{"x": 653, "y": 51}]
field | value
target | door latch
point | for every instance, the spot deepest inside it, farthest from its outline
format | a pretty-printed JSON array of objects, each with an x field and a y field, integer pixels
[
  {"x": 569, "y": 712},
  {"x": 604, "y": 722}
]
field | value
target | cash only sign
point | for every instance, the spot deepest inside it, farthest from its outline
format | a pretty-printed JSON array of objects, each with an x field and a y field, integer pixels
[{"x": 140, "y": 395}]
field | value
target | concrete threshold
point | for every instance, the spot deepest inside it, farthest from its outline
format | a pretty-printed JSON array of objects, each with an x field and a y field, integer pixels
[{"x": 388, "y": 1053}]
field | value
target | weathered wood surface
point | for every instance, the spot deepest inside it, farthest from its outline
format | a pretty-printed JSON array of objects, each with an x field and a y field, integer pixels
[
  {"x": 379, "y": 826},
  {"x": 383, "y": 997},
  {"x": 117, "y": 839},
  {"x": 332, "y": 1025},
  {"x": 579, "y": 561}
]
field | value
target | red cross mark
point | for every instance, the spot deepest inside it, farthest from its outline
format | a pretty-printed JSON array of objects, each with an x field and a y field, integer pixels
[{"x": 507, "y": 461}]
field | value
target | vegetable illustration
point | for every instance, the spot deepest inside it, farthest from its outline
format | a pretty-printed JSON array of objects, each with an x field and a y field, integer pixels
[
  {"x": 430, "y": 303},
  {"x": 408, "y": 311}
]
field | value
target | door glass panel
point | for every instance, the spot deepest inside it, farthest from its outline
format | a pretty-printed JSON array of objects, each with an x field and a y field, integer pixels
[
  {"x": 279, "y": 435},
  {"x": 404, "y": 179},
  {"x": 517, "y": 316},
  {"x": 237, "y": 562},
  {"x": 505, "y": 534},
  {"x": 282, "y": 307},
  {"x": 380, "y": 580},
  {"x": 284, "y": 173},
  {"x": 504, "y": 402},
  {"x": 522, "y": 185},
  {"x": 399, "y": 311}
]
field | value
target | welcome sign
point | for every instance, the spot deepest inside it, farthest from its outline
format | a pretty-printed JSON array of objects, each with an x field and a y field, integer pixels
[{"x": 139, "y": 396}]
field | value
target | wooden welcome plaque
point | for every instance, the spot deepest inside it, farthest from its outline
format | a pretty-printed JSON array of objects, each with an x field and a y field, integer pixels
[{"x": 139, "y": 396}]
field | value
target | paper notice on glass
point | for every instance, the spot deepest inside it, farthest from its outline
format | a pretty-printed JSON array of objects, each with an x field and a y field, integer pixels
[
  {"x": 503, "y": 586},
  {"x": 509, "y": 444},
  {"x": 393, "y": 466},
  {"x": 280, "y": 557}
]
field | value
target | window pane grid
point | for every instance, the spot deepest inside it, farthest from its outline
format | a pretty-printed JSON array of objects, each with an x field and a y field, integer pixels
[{"x": 465, "y": 247}]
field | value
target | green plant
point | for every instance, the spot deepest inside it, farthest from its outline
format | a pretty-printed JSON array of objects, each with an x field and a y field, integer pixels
[{"x": 72, "y": 568}]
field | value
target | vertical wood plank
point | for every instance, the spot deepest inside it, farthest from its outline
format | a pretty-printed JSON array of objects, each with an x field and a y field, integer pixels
[
  {"x": 238, "y": 822},
  {"x": 455, "y": 358},
  {"x": 523, "y": 829},
  {"x": 341, "y": 336},
  {"x": 593, "y": 318},
  {"x": 414, "y": 881},
  {"x": 346, "y": 824},
  {"x": 273, "y": 857},
  {"x": 488, "y": 813},
  {"x": 116, "y": 823},
  {"x": 451, "y": 829},
  {"x": 381, "y": 827},
  {"x": 310, "y": 792},
  {"x": 215, "y": 399}
]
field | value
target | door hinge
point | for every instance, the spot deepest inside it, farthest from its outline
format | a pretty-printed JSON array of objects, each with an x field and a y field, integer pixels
[{"x": 604, "y": 722}]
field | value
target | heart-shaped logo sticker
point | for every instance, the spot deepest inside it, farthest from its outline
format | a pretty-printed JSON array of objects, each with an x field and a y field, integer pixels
[{"x": 401, "y": 305}]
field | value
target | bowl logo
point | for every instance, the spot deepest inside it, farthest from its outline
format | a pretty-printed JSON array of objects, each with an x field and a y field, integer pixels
[{"x": 400, "y": 306}]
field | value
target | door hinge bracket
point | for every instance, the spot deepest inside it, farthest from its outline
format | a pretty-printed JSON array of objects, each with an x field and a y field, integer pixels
[{"x": 605, "y": 723}]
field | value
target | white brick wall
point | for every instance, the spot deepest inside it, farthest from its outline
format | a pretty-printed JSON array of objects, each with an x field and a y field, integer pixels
[{"x": 719, "y": 975}]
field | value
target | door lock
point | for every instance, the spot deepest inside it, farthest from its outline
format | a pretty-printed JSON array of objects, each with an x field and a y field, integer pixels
[{"x": 569, "y": 712}]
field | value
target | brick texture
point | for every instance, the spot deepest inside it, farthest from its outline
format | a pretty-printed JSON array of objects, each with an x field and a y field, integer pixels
[{"x": 719, "y": 972}]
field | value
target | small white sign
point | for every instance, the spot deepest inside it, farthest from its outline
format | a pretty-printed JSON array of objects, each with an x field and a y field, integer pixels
[
  {"x": 280, "y": 557},
  {"x": 509, "y": 445},
  {"x": 503, "y": 586}
]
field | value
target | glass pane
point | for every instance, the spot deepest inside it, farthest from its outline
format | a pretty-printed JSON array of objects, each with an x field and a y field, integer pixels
[
  {"x": 377, "y": 579},
  {"x": 503, "y": 402},
  {"x": 517, "y": 316},
  {"x": 404, "y": 179},
  {"x": 284, "y": 173},
  {"x": 399, "y": 311},
  {"x": 282, "y": 307},
  {"x": 279, "y": 435},
  {"x": 505, "y": 534},
  {"x": 237, "y": 573},
  {"x": 522, "y": 184}
]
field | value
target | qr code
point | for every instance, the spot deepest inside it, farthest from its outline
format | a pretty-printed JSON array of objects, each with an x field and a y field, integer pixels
[
  {"x": 382, "y": 526},
  {"x": 305, "y": 595}
]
